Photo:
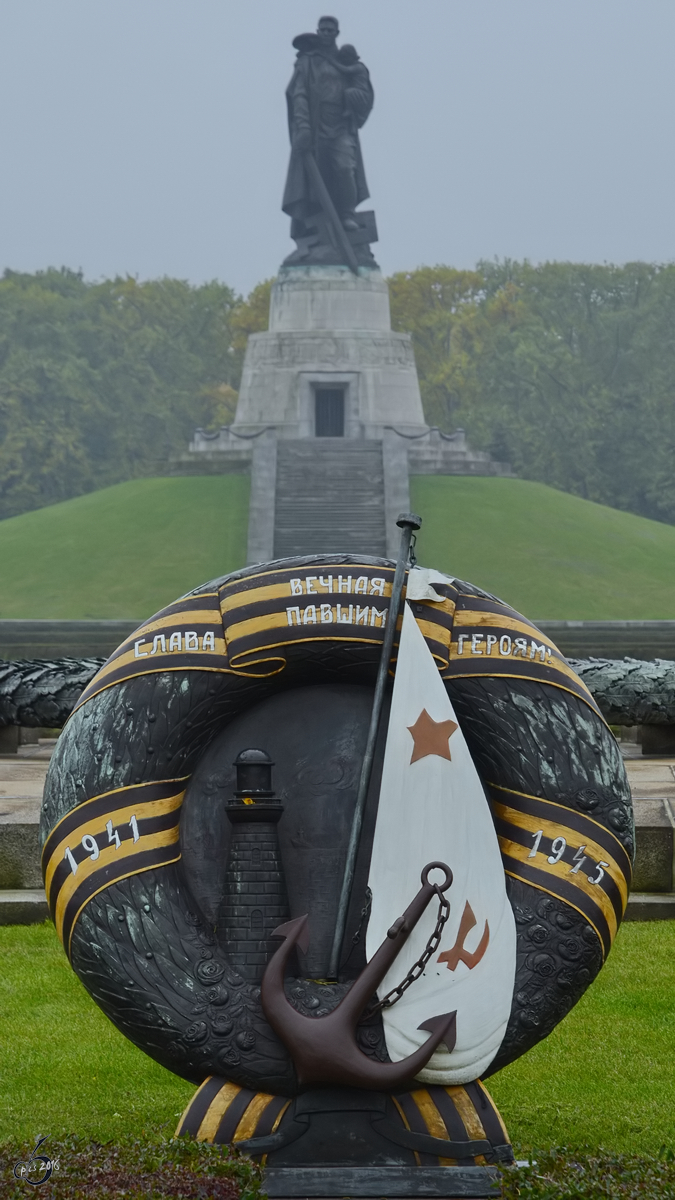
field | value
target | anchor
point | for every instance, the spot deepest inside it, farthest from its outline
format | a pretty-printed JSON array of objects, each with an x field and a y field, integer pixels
[{"x": 324, "y": 1049}]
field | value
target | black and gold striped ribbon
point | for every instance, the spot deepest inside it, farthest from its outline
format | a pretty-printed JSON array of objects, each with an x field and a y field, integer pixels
[
  {"x": 489, "y": 638},
  {"x": 457, "y": 1114},
  {"x": 186, "y": 636},
  {"x": 248, "y": 626},
  {"x": 266, "y": 613},
  {"x": 591, "y": 871},
  {"x": 222, "y": 1113},
  {"x": 106, "y": 839}
]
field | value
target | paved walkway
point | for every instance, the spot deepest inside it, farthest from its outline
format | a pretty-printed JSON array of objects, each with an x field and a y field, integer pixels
[
  {"x": 651, "y": 777},
  {"x": 22, "y": 778}
]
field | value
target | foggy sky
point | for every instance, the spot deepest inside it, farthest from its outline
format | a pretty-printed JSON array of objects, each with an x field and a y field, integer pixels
[{"x": 149, "y": 136}]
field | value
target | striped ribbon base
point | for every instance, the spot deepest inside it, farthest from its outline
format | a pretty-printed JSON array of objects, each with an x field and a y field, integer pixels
[{"x": 412, "y": 1126}]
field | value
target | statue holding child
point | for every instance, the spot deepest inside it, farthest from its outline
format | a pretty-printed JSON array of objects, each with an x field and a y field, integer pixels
[{"x": 329, "y": 99}]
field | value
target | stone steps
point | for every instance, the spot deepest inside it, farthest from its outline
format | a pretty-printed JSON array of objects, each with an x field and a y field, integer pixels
[
  {"x": 22, "y": 777},
  {"x": 23, "y": 906},
  {"x": 652, "y": 782},
  {"x": 329, "y": 498},
  {"x": 650, "y": 906}
]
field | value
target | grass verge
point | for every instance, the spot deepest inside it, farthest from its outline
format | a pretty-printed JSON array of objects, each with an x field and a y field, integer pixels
[
  {"x": 605, "y": 1075},
  {"x": 125, "y": 551},
  {"x": 81, "y": 1170},
  {"x": 561, "y": 1175},
  {"x": 66, "y": 1069},
  {"x": 551, "y": 555},
  {"x": 603, "y": 1078}
]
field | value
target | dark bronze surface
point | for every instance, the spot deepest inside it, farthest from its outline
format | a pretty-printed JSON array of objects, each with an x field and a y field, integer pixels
[
  {"x": 324, "y": 1049},
  {"x": 145, "y": 947},
  {"x": 255, "y": 898},
  {"x": 340, "y": 1127},
  {"x": 254, "y": 774},
  {"x": 317, "y": 737},
  {"x": 43, "y": 692},
  {"x": 628, "y": 691},
  {"x": 329, "y": 98}
]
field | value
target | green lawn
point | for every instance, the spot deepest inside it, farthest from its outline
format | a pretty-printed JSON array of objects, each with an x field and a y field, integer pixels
[
  {"x": 65, "y": 1069},
  {"x": 125, "y": 551},
  {"x": 604, "y": 1077},
  {"x": 128, "y": 550},
  {"x": 551, "y": 555}
]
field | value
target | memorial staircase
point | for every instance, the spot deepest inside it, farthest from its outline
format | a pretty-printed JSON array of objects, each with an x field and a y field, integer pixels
[{"x": 329, "y": 497}]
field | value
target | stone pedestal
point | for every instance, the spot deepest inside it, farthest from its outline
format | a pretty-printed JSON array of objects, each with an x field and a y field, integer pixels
[
  {"x": 330, "y": 421},
  {"x": 329, "y": 329}
]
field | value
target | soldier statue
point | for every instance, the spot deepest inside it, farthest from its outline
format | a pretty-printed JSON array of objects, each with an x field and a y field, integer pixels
[{"x": 329, "y": 98}]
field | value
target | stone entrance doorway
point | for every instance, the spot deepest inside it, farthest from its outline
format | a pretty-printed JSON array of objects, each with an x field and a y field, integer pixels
[{"x": 329, "y": 412}]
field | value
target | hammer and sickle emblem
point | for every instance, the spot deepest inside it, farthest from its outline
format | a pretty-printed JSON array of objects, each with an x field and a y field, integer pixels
[{"x": 458, "y": 954}]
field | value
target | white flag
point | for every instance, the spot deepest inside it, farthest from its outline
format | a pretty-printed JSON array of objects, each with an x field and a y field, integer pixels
[{"x": 433, "y": 808}]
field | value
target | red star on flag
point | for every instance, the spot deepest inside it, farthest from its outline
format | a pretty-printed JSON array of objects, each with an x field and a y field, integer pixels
[{"x": 431, "y": 737}]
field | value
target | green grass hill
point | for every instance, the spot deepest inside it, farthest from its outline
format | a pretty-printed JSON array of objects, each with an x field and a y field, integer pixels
[
  {"x": 128, "y": 550},
  {"x": 125, "y": 551},
  {"x": 551, "y": 555}
]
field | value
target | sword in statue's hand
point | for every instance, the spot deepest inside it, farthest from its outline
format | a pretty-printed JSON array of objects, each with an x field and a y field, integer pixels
[{"x": 330, "y": 212}]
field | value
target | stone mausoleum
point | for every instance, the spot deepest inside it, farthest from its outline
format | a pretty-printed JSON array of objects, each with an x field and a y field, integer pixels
[{"x": 329, "y": 420}]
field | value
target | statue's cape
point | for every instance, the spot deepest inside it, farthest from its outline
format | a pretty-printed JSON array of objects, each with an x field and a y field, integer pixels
[
  {"x": 299, "y": 200},
  {"x": 433, "y": 807}
]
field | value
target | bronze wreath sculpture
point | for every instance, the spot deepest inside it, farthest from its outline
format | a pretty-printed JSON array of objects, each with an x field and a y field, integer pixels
[{"x": 135, "y": 832}]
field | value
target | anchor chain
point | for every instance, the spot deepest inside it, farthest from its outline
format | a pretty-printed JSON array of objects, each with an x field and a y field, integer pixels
[
  {"x": 418, "y": 967},
  {"x": 363, "y": 917}
]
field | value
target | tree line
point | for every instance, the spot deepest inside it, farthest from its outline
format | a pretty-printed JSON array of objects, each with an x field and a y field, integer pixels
[
  {"x": 565, "y": 370},
  {"x": 101, "y": 382}
]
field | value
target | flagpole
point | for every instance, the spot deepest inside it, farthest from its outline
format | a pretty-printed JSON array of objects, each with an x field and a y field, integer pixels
[{"x": 407, "y": 523}]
